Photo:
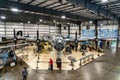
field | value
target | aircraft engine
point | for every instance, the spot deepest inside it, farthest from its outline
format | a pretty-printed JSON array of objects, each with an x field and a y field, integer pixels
[{"x": 58, "y": 43}]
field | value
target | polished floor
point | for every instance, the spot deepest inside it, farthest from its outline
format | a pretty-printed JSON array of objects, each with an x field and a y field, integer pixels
[
  {"x": 106, "y": 67},
  {"x": 32, "y": 58}
]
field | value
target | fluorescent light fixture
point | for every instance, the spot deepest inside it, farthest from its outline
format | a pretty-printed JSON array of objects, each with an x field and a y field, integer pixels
[
  {"x": 14, "y": 9},
  {"x": 90, "y": 22},
  {"x": 73, "y": 24},
  {"x": 101, "y": 24},
  {"x": 41, "y": 20},
  {"x": 104, "y": 0},
  {"x": 68, "y": 23},
  {"x": 3, "y": 17},
  {"x": 28, "y": 22},
  {"x": 63, "y": 17},
  {"x": 44, "y": 22},
  {"x": 98, "y": 28},
  {"x": 21, "y": 23},
  {"x": 57, "y": 22},
  {"x": 54, "y": 21}
]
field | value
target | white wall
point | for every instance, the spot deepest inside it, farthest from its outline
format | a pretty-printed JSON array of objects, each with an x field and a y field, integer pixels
[
  {"x": 73, "y": 29},
  {"x": 30, "y": 29},
  {"x": 44, "y": 29},
  {"x": 108, "y": 27},
  {"x": 2, "y": 29}
]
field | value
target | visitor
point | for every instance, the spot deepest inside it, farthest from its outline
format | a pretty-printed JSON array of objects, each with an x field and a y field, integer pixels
[
  {"x": 108, "y": 44},
  {"x": 25, "y": 73},
  {"x": 59, "y": 63},
  {"x": 51, "y": 64}
]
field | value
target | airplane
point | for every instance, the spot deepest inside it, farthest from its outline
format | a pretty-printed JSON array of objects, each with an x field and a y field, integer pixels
[
  {"x": 6, "y": 54},
  {"x": 46, "y": 38}
]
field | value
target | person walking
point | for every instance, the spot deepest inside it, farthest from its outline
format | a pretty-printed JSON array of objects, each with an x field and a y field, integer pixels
[
  {"x": 51, "y": 64},
  {"x": 59, "y": 63},
  {"x": 25, "y": 73}
]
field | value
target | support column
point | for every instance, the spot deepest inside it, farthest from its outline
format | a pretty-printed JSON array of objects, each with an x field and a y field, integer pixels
[
  {"x": 80, "y": 29},
  {"x": 68, "y": 30},
  {"x": 24, "y": 28},
  {"x": 5, "y": 27},
  {"x": 49, "y": 29},
  {"x": 59, "y": 28},
  {"x": 96, "y": 32},
  {"x": 118, "y": 35}
]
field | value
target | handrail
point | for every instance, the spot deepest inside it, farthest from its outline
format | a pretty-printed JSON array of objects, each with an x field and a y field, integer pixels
[{"x": 84, "y": 59}]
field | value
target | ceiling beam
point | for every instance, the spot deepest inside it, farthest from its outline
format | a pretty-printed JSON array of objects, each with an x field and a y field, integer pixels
[
  {"x": 94, "y": 7},
  {"x": 31, "y": 8},
  {"x": 112, "y": 3},
  {"x": 31, "y": 1},
  {"x": 41, "y": 3},
  {"x": 33, "y": 18},
  {"x": 19, "y": 1},
  {"x": 73, "y": 9},
  {"x": 51, "y": 4},
  {"x": 111, "y": 7},
  {"x": 81, "y": 9},
  {"x": 67, "y": 9},
  {"x": 59, "y": 5},
  {"x": 64, "y": 7}
]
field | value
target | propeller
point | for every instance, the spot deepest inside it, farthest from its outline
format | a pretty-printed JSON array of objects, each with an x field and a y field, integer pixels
[
  {"x": 76, "y": 42},
  {"x": 38, "y": 41},
  {"x": 15, "y": 38}
]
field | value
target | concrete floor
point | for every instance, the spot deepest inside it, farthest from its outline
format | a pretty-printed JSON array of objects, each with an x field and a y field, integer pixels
[
  {"x": 30, "y": 57},
  {"x": 106, "y": 67}
]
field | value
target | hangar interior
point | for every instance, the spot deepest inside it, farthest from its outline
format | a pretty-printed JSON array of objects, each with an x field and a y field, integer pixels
[{"x": 79, "y": 32}]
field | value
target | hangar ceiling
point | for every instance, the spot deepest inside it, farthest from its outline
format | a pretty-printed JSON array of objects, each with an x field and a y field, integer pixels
[{"x": 54, "y": 9}]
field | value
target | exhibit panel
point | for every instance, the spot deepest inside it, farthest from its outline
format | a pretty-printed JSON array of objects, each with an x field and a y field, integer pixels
[
  {"x": 88, "y": 33},
  {"x": 108, "y": 31}
]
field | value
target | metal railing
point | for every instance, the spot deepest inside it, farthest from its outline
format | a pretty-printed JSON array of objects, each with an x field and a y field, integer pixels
[{"x": 86, "y": 59}]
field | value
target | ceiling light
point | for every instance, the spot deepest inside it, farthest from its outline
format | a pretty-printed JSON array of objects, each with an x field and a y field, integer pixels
[
  {"x": 90, "y": 22},
  {"x": 28, "y": 22},
  {"x": 21, "y": 23},
  {"x": 14, "y": 9},
  {"x": 63, "y": 17},
  {"x": 44, "y": 22},
  {"x": 68, "y": 23},
  {"x": 57, "y": 22},
  {"x": 101, "y": 24},
  {"x": 104, "y": 0},
  {"x": 54, "y": 21},
  {"x": 3, "y": 17},
  {"x": 40, "y": 20},
  {"x": 98, "y": 28}
]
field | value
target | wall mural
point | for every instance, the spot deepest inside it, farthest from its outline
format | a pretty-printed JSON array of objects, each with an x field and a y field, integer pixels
[
  {"x": 88, "y": 33},
  {"x": 102, "y": 33},
  {"x": 107, "y": 33}
]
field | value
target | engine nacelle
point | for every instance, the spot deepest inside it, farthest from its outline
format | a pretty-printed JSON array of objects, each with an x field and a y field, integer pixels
[{"x": 58, "y": 43}]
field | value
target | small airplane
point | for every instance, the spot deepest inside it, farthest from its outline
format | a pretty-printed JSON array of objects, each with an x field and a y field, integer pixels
[{"x": 6, "y": 54}]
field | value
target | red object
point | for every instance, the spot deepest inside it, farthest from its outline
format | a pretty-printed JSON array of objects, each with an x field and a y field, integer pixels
[{"x": 51, "y": 61}]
